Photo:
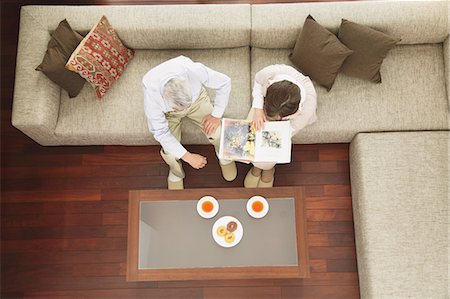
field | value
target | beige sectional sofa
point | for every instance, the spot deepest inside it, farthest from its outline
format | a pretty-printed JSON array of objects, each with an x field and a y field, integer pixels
[
  {"x": 237, "y": 40},
  {"x": 399, "y": 179},
  {"x": 400, "y": 192}
]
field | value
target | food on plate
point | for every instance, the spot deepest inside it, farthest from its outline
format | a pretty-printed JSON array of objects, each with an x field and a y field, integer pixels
[
  {"x": 229, "y": 238},
  {"x": 221, "y": 231},
  {"x": 207, "y": 206},
  {"x": 231, "y": 226},
  {"x": 257, "y": 206}
]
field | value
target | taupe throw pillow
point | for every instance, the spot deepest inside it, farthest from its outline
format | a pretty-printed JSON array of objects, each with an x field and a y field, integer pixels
[
  {"x": 370, "y": 48},
  {"x": 62, "y": 43},
  {"x": 318, "y": 53}
]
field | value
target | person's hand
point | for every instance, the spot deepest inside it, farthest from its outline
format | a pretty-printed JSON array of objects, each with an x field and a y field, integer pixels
[
  {"x": 195, "y": 160},
  {"x": 259, "y": 117},
  {"x": 210, "y": 124}
]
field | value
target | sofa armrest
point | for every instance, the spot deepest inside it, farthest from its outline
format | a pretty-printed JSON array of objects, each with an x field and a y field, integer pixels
[
  {"x": 36, "y": 98},
  {"x": 447, "y": 62},
  {"x": 447, "y": 72}
]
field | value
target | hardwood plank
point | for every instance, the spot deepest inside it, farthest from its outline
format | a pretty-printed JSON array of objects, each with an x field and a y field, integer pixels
[
  {"x": 120, "y": 159},
  {"x": 64, "y": 244},
  {"x": 316, "y": 279},
  {"x": 188, "y": 293},
  {"x": 335, "y": 239},
  {"x": 112, "y": 194},
  {"x": 329, "y": 215},
  {"x": 318, "y": 266},
  {"x": 36, "y": 149},
  {"x": 15, "y": 260},
  {"x": 323, "y": 279},
  {"x": 64, "y": 232},
  {"x": 327, "y": 202},
  {"x": 314, "y": 190},
  {"x": 299, "y": 155},
  {"x": 85, "y": 171},
  {"x": 42, "y": 220},
  {"x": 311, "y": 179},
  {"x": 325, "y": 167},
  {"x": 334, "y": 154},
  {"x": 318, "y": 240},
  {"x": 330, "y": 227},
  {"x": 85, "y": 270},
  {"x": 50, "y": 195},
  {"x": 141, "y": 182},
  {"x": 330, "y": 292},
  {"x": 337, "y": 190},
  {"x": 15, "y": 160},
  {"x": 342, "y": 265},
  {"x": 318, "y": 252},
  {"x": 65, "y": 207},
  {"x": 217, "y": 283},
  {"x": 242, "y": 292},
  {"x": 63, "y": 283}
]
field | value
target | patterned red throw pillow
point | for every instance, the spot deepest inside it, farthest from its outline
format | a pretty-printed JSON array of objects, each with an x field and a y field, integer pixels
[{"x": 101, "y": 57}]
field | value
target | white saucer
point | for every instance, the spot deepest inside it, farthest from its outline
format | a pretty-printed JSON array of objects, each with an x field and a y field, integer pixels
[
  {"x": 257, "y": 214},
  {"x": 238, "y": 233},
  {"x": 214, "y": 211}
]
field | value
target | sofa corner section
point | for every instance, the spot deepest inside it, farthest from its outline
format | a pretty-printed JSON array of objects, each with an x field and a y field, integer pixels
[{"x": 36, "y": 99}]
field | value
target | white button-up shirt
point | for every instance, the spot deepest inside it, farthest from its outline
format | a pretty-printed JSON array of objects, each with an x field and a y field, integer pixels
[{"x": 155, "y": 106}]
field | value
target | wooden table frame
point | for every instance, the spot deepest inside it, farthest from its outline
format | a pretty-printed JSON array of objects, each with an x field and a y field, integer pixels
[{"x": 137, "y": 196}]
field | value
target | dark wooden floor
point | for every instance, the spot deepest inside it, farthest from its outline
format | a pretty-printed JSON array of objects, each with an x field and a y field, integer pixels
[{"x": 64, "y": 211}]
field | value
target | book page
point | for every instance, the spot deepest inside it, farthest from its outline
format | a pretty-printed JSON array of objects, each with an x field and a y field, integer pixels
[
  {"x": 237, "y": 140},
  {"x": 273, "y": 142}
]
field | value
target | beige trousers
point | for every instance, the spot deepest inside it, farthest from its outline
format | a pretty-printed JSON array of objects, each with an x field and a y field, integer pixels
[
  {"x": 263, "y": 165},
  {"x": 198, "y": 110}
]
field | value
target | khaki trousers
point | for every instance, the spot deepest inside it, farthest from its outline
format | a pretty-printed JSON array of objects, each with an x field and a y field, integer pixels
[{"x": 198, "y": 110}]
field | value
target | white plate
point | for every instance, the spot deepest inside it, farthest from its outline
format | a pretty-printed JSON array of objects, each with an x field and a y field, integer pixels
[
  {"x": 257, "y": 214},
  {"x": 214, "y": 211},
  {"x": 238, "y": 233}
]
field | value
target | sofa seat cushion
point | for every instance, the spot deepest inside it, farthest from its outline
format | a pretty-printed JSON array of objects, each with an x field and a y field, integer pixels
[
  {"x": 400, "y": 207},
  {"x": 120, "y": 119},
  {"x": 403, "y": 102}
]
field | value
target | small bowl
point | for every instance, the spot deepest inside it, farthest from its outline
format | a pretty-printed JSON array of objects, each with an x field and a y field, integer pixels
[
  {"x": 204, "y": 213},
  {"x": 254, "y": 213}
]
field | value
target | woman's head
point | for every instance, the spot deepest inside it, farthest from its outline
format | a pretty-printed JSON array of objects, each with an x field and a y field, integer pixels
[
  {"x": 282, "y": 99},
  {"x": 177, "y": 92}
]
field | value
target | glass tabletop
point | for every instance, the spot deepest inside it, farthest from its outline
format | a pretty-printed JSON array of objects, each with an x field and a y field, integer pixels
[{"x": 173, "y": 235}]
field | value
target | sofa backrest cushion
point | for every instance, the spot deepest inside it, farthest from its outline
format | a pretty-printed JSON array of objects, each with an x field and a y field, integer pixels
[
  {"x": 415, "y": 22},
  {"x": 157, "y": 26}
]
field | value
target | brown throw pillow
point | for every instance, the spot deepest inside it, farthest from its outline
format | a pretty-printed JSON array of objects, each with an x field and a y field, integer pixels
[
  {"x": 61, "y": 45},
  {"x": 370, "y": 48},
  {"x": 318, "y": 53}
]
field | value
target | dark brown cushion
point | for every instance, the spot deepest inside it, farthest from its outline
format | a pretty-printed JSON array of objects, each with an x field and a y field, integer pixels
[
  {"x": 318, "y": 53},
  {"x": 62, "y": 43},
  {"x": 370, "y": 48}
]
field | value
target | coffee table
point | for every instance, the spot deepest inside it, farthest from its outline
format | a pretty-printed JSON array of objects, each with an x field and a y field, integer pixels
[{"x": 168, "y": 240}]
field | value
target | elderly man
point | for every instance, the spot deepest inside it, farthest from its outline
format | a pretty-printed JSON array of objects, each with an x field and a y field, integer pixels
[{"x": 174, "y": 90}]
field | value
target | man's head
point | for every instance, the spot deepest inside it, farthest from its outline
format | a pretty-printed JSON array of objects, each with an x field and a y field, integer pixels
[
  {"x": 282, "y": 99},
  {"x": 178, "y": 94}
]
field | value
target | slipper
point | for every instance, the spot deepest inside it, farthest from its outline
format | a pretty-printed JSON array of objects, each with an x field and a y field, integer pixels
[
  {"x": 229, "y": 171},
  {"x": 262, "y": 184},
  {"x": 250, "y": 180},
  {"x": 171, "y": 185}
]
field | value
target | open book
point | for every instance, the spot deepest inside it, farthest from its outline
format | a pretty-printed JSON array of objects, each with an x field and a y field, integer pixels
[{"x": 239, "y": 141}]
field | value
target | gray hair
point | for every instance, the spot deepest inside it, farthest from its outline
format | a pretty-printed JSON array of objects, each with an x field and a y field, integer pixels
[{"x": 177, "y": 92}]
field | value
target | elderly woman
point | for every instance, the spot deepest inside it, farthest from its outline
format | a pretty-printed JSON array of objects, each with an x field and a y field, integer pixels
[
  {"x": 174, "y": 90},
  {"x": 280, "y": 92}
]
